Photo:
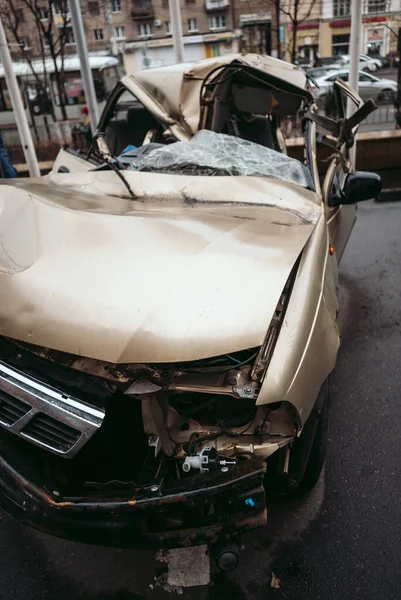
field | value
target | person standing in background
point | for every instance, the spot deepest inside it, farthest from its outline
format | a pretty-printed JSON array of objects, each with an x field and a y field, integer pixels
[{"x": 6, "y": 167}]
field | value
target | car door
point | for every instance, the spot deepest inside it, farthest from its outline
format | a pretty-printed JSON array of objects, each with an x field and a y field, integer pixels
[
  {"x": 70, "y": 161},
  {"x": 366, "y": 87},
  {"x": 340, "y": 219}
]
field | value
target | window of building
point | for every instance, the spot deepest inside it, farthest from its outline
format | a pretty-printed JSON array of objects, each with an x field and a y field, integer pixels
[
  {"x": 341, "y": 8},
  {"x": 116, "y": 6},
  {"x": 217, "y": 22},
  {"x": 93, "y": 8},
  {"x": 98, "y": 34},
  {"x": 58, "y": 8},
  {"x": 377, "y": 6},
  {"x": 192, "y": 25},
  {"x": 19, "y": 16},
  {"x": 25, "y": 42},
  {"x": 145, "y": 30},
  {"x": 190, "y": 1},
  {"x": 69, "y": 36},
  {"x": 340, "y": 44},
  {"x": 167, "y": 27},
  {"x": 120, "y": 32},
  {"x": 165, "y": 4},
  {"x": 43, "y": 13}
]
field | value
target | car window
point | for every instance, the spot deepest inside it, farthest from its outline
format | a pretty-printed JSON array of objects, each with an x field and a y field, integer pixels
[
  {"x": 129, "y": 124},
  {"x": 343, "y": 76},
  {"x": 364, "y": 77}
]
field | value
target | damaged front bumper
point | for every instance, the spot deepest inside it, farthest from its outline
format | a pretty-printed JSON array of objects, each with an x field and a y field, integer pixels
[{"x": 159, "y": 515}]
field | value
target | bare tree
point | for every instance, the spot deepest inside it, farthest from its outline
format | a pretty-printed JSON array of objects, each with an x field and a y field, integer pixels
[
  {"x": 51, "y": 37},
  {"x": 297, "y": 12},
  {"x": 12, "y": 20}
]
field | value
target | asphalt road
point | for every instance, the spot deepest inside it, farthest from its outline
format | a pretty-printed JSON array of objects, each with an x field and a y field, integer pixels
[{"x": 344, "y": 540}]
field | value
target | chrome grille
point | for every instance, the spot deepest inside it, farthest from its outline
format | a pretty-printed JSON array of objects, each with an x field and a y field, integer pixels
[
  {"x": 43, "y": 415},
  {"x": 11, "y": 409},
  {"x": 51, "y": 433}
]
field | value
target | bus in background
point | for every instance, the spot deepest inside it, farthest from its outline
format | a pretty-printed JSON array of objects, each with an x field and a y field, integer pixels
[{"x": 105, "y": 70}]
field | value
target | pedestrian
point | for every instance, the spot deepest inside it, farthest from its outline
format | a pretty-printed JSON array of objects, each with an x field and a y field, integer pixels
[
  {"x": 83, "y": 132},
  {"x": 6, "y": 167}
]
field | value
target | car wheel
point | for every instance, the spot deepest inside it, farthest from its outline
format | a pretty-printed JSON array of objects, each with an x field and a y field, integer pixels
[
  {"x": 307, "y": 454},
  {"x": 386, "y": 97}
]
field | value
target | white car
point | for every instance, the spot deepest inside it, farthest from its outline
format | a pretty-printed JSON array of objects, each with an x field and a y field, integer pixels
[
  {"x": 369, "y": 86},
  {"x": 366, "y": 63}
]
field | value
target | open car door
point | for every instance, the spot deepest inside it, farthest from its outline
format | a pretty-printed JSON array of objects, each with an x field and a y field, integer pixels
[{"x": 340, "y": 217}]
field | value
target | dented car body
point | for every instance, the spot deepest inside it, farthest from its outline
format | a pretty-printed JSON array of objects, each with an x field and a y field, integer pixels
[{"x": 168, "y": 310}]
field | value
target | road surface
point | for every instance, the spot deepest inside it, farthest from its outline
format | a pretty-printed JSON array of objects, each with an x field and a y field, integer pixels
[{"x": 344, "y": 540}]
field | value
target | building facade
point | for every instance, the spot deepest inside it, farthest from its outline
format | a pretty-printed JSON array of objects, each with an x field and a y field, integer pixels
[
  {"x": 139, "y": 31},
  {"x": 327, "y": 29}
]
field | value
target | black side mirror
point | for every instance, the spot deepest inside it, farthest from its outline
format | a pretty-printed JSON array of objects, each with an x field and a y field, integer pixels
[{"x": 359, "y": 186}]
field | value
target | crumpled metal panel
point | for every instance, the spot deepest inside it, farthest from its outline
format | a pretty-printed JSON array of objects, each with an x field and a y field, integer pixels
[{"x": 173, "y": 92}]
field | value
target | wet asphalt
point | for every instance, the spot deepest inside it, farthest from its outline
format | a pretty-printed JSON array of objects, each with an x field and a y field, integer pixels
[{"x": 344, "y": 540}]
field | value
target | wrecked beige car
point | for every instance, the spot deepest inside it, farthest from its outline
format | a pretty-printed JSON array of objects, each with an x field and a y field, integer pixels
[{"x": 168, "y": 310}]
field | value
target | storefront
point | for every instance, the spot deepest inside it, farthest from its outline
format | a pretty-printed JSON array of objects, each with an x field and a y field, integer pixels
[
  {"x": 340, "y": 37},
  {"x": 307, "y": 41},
  {"x": 160, "y": 52},
  {"x": 256, "y": 33},
  {"x": 218, "y": 44},
  {"x": 376, "y": 36}
]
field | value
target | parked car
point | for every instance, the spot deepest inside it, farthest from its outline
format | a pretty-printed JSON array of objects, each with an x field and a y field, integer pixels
[
  {"x": 168, "y": 310},
  {"x": 365, "y": 63},
  {"x": 377, "y": 60},
  {"x": 318, "y": 72},
  {"x": 369, "y": 86},
  {"x": 382, "y": 61}
]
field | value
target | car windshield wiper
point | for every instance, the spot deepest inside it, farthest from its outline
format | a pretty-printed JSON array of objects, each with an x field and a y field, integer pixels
[{"x": 113, "y": 162}]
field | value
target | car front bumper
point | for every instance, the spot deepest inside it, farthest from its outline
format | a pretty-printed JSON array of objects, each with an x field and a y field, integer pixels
[{"x": 198, "y": 510}]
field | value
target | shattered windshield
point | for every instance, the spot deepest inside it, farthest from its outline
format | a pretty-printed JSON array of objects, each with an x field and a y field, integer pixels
[{"x": 210, "y": 153}]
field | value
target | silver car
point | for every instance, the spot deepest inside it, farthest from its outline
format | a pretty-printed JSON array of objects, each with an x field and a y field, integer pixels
[{"x": 369, "y": 86}]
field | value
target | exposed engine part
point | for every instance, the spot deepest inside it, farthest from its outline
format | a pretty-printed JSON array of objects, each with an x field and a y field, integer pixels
[
  {"x": 226, "y": 555},
  {"x": 142, "y": 385},
  {"x": 154, "y": 415},
  {"x": 207, "y": 460}
]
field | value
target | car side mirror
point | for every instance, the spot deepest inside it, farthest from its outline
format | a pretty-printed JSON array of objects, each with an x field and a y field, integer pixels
[{"x": 359, "y": 186}]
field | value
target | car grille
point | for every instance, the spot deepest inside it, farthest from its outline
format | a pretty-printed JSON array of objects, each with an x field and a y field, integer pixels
[
  {"x": 51, "y": 433},
  {"x": 11, "y": 409},
  {"x": 43, "y": 415}
]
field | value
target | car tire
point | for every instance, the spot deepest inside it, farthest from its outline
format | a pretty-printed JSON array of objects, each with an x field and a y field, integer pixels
[
  {"x": 386, "y": 97},
  {"x": 302, "y": 480},
  {"x": 307, "y": 454}
]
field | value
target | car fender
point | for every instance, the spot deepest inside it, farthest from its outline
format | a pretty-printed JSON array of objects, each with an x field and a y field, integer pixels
[{"x": 308, "y": 342}]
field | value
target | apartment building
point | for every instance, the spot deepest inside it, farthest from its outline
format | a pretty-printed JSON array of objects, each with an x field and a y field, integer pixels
[{"x": 140, "y": 30}]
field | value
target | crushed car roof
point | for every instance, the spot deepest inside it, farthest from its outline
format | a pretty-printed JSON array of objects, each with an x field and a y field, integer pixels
[{"x": 176, "y": 89}]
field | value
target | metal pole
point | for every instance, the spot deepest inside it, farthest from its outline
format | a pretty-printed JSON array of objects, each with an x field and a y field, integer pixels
[
  {"x": 110, "y": 29},
  {"x": 87, "y": 80},
  {"x": 355, "y": 40},
  {"x": 18, "y": 106},
  {"x": 356, "y": 29},
  {"x": 176, "y": 30}
]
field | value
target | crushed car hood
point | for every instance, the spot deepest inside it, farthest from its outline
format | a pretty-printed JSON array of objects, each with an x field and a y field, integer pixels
[{"x": 193, "y": 268}]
